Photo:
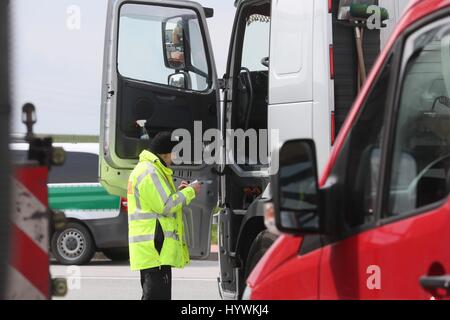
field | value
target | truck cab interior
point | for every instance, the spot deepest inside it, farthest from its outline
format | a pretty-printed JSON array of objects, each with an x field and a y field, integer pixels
[
  {"x": 246, "y": 115},
  {"x": 249, "y": 69}
]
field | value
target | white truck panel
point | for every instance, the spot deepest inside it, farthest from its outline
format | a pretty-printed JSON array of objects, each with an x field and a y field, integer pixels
[
  {"x": 291, "y": 51},
  {"x": 293, "y": 120},
  {"x": 396, "y": 9},
  {"x": 323, "y": 85}
]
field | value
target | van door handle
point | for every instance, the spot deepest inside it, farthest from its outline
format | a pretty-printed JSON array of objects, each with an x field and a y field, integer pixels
[{"x": 435, "y": 282}]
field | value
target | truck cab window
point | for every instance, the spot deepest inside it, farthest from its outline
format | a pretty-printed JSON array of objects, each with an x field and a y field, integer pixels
[
  {"x": 156, "y": 42},
  {"x": 256, "y": 42},
  {"x": 420, "y": 173}
]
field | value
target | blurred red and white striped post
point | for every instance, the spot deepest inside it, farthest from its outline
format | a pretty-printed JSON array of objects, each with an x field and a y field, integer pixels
[{"x": 28, "y": 274}]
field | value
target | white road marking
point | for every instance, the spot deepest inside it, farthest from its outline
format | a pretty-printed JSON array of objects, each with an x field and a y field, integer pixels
[{"x": 137, "y": 278}]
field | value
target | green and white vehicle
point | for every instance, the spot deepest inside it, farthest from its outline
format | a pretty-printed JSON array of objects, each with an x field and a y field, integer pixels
[{"x": 96, "y": 220}]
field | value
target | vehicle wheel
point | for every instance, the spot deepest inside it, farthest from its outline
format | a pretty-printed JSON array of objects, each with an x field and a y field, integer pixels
[
  {"x": 258, "y": 248},
  {"x": 73, "y": 245},
  {"x": 117, "y": 254}
]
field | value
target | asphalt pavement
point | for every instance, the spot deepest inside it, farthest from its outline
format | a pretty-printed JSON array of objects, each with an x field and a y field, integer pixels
[{"x": 106, "y": 280}]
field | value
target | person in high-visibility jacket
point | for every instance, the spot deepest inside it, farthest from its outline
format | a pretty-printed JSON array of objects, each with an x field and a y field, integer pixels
[{"x": 155, "y": 218}]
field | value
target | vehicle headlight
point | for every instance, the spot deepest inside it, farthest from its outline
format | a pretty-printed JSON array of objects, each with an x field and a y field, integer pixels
[
  {"x": 247, "y": 295},
  {"x": 269, "y": 218}
]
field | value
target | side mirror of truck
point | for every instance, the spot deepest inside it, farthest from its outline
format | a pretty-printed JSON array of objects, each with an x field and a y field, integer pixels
[
  {"x": 174, "y": 43},
  {"x": 180, "y": 80},
  {"x": 295, "y": 189}
]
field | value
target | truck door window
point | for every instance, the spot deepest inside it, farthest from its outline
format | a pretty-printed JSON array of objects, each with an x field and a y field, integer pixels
[
  {"x": 156, "y": 42},
  {"x": 357, "y": 168},
  {"x": 256, "y": 42},
  {"x": 420, "y": 173}
]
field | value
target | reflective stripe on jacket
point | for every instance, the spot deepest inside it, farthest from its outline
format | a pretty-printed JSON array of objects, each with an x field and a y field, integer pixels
[{"x": 152, "y": 196}]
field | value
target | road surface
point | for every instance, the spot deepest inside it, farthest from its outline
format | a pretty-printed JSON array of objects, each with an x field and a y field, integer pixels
[{"x": 105, "y": 280}]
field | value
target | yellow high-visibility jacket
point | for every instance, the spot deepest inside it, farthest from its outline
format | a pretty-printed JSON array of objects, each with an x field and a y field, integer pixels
[{"x": 152, "y": 196}]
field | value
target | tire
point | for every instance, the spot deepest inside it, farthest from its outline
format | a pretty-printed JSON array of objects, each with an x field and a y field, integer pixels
[
  {"x": 117, "y": 254},
  {"x": 73, "y": 245},
  {"x": 259, "y": 247}
]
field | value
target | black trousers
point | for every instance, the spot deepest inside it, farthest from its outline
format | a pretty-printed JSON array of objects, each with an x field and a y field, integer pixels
[{"x": 157, "y": 283}]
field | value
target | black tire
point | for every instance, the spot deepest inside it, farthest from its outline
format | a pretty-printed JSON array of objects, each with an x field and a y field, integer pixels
[
  {"x": 117, "y": 254},
  {"x": 259, "y": 247},
  {"x": 73, "y": 245}
]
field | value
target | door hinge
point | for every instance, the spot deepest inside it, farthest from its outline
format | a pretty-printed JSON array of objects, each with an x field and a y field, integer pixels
[
  {"x": 225, "y": 83},
  {"x": 222, "y": 83}
]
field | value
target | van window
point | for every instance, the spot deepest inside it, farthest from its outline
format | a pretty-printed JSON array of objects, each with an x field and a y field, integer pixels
[
  {"x": 80, "y": 167},
  {"x": 357, "y": 167},
  {"x": 420, "y": 173},
  {"x": 149, "y": 33}
]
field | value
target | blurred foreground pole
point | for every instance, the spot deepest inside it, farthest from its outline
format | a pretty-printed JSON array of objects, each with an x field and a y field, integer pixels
[{"x": 4, "y": 138}]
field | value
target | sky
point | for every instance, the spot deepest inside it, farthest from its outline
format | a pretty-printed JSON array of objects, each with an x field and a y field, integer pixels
[{"x": 58, "y": 60}]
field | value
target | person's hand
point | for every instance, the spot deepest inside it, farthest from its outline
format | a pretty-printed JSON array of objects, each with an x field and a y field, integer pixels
[
  {"x": 197, "y": 187},
  {"x": 183, "y": 185}
]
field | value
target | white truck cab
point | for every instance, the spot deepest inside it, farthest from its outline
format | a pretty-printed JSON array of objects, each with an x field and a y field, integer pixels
[{"x": 292, "y": 73}]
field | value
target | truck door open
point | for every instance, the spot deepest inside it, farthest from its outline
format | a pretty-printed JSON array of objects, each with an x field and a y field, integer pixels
[{"x": 159, "y": 75}]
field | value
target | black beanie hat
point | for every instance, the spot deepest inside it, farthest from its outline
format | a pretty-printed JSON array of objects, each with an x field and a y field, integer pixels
[{"x": 162, "y": 143}]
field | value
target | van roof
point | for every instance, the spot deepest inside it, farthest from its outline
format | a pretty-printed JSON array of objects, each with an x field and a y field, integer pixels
[{"x": 418, "y": 9}]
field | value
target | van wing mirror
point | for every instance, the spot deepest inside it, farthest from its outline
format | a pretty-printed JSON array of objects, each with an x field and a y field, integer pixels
[{"x": 295, "y": 189}]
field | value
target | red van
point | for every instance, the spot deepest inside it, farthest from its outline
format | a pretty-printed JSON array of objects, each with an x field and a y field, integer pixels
[{"x": 377, "y": 224}]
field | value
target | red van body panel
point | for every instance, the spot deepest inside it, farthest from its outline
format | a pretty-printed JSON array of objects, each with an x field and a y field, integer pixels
[{"x": 404, "y": 251}]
